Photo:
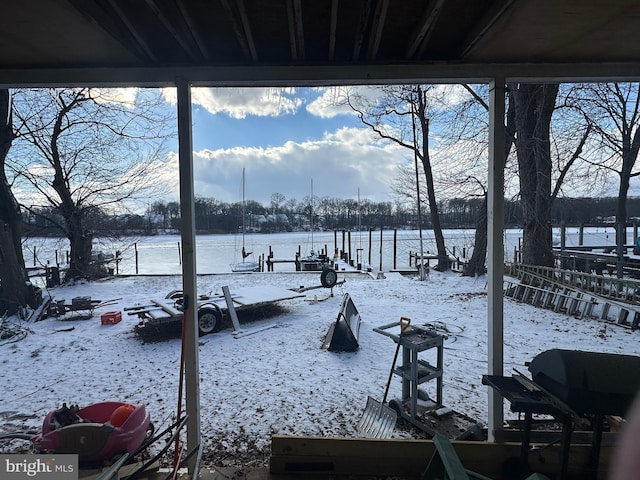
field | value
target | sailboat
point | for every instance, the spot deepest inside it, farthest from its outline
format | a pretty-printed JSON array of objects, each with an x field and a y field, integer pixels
[
  {"x": 247, "y": 264},
  {"x": 362, "y": 265},
  {"x": 313, "y": 261}
]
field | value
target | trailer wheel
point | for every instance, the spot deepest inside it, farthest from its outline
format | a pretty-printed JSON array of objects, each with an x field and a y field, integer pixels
[
  {"x": 328, "y": 278},
  {"x": 174, "y": 294},
  {"x": 209, "y": 320}
]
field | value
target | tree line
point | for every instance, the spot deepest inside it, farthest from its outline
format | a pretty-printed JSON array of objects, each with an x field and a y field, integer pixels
[{"x": 217, "y": 217}]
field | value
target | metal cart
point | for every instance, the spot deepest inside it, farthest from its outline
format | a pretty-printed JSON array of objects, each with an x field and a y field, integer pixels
[{"x": 415, "y": 406}]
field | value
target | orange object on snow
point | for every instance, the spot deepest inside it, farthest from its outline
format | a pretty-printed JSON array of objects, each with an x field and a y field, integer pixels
[{"x": 120, "y": 414}]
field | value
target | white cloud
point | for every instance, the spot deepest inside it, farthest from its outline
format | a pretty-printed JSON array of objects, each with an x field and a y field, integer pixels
[
  {"x": 123, "y": 96},
  {"x": 339, "y": 163},
  {"x": 240, "y": 102},
  {"x": 332, "y": 101}
]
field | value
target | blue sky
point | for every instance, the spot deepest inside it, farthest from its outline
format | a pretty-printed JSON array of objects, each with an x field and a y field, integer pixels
[{"x": 284, "y": 138}]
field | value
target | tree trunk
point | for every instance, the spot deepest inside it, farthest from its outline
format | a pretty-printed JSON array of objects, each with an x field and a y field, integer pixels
[
  {"x": 80, "y": 245},
  {"x": 534, "y": 105},
  {"x": 476, "y": 265},
  {"x": 15, "y": 289},
  {"x": 630, "y": 149},
  {"x": 443, "y": 259}
]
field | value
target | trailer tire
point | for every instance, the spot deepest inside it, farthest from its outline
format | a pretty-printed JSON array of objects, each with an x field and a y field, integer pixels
[
  {"x": 328, "y": 277},
  {"x": 209, "y": 319},
  {"x": 174, "y": 294}
]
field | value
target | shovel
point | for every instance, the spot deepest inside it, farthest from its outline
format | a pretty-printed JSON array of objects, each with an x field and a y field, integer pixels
[{"x": 379, "y": 420}]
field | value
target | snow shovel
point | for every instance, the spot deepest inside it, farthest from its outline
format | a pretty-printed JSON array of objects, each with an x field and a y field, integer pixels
[{"x": 379, "y": 420}]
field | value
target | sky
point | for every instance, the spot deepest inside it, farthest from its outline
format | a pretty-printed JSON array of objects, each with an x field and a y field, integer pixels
[
  {"x": 285, "y": 139},
  {"x": 277, "y": 380}
]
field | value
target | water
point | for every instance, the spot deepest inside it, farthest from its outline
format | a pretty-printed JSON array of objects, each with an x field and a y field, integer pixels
[{"x": 214, "y": 253}]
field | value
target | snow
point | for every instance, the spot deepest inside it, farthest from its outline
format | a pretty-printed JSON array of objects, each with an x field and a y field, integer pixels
[{"x": 278, "y": 380}]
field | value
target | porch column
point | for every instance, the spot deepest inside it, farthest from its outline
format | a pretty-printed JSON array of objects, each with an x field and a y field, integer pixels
[
  {"x": 495, "y": 254},
  {"x": 188, "y": 234}
]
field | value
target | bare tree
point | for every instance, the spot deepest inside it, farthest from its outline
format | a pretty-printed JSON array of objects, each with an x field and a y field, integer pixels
[
  {"x": 391, "y": 115},
  {"x": 534, "y": 106},
  {"x": 15, "y": 289},
  {"x": 277, "y": 200},
  {"x": 81, "y": 150},
  {"x": 614, "y": 111}
]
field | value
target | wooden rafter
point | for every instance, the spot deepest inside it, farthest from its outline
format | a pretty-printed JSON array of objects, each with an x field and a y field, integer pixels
[
  {"x": 421, "y": 38},
  {"x": 379, "y": 19},
  {"x": 172, "y": 29},
  {"x": 485, "y": 24},
  {"x": 296, "y": 32},
  {"x": 132, "y": 30},
  {"x": 244, "y": 37},
  {"x": 333, "y": 23},
  {"x": 361, "y": 29},
  {"x": 244, "y": 20},
  {"x": 194, "y": 32}
]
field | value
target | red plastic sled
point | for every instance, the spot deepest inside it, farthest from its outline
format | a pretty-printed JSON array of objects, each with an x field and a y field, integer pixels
[{"x": 99, "y": 432}]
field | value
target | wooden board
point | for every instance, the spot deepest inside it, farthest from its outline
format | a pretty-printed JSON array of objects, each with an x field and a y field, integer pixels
[
  {"x": 409, "y": 458},
  {"x": 123, "y": 472}
]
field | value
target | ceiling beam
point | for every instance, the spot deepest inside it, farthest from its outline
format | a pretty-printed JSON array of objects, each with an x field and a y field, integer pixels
[
  {"x": 361, "y": 29},
  {"x": 246, "y": 26},
  {"x": 421, "y": 38},
  {"x": 333, "y": 24},
  {"x": 296, "y": 32},
  {"x": 172, "y": 30},
  {"x": 379, "y": 19},
  {"x": 193, "y": 30},
  {"x": 488, "y": 20},
  {"x": 104, "y": 18},
  {"x": 132, "y": 30},
  {"x": 321, "y": 75},
  {"x": 243, "y": 35}
]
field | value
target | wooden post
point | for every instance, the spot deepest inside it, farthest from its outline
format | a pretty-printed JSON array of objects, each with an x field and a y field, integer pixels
[
  {"x": 135, "y": 247},
  {"x": 34, "y": 256},
  {"x": 179, "y": 255},
  {"x": 350, "y": 259},
  {"x": 635, "y": 232},
  {"x": 380, "y": 248},
  {"x": 343, "y": 250},
  {"x": 395, "y": 246},
  {"x": 563, "y": 237},
  {"x": 335, "y": 240},
  {"x": 581, "y": 235},
  {"x": 370, "y": 244}
]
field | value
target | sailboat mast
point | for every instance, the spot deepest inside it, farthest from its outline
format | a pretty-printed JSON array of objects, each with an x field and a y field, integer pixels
[
  {"x": 311, "y": 221},
  {"x": 243, "y": 225},
  {"x": 359, "y": 221}
]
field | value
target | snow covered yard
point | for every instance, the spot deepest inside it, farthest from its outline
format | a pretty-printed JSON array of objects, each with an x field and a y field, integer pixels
[{"x": 277, "y": 381}]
